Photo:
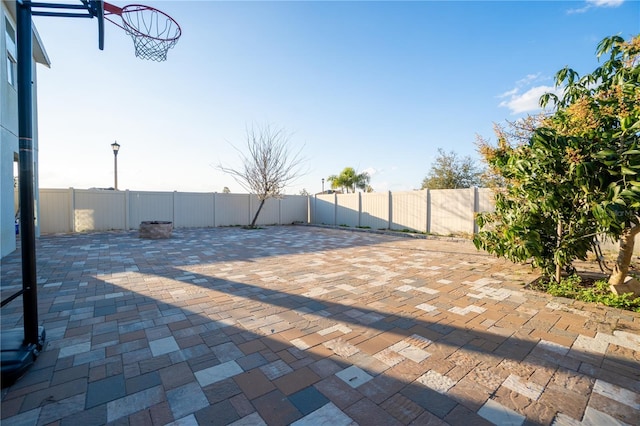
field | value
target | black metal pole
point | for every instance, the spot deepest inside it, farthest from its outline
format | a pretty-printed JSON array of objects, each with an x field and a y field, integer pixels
[
  {"x": 26, "y": 170},
  {"x": 115, "y": 169}
]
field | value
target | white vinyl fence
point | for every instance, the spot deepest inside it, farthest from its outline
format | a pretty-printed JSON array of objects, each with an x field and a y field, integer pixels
[
  {"x": 438, "y": 211},
  {"x": 442, "y": 211},
  {"x": 81, "y": 210}
]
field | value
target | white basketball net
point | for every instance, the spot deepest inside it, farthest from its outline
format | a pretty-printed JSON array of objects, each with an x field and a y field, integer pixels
[{"x": 152, "y": 31}]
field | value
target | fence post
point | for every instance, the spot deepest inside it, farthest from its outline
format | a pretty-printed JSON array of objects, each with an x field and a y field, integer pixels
[
  {"x": 173, "y": 209},
  {"x": 428, "y": 211},
  {"x": 359, "y": 209},
  {"x": 335, "y": 209},
  {"x": 476, "y": 208},
  {"x": 72, "y": 210},
  {"x": 390, "y": 203},
  {"x": 127, "y": 213},
  {"x": 215, "y": 195}
]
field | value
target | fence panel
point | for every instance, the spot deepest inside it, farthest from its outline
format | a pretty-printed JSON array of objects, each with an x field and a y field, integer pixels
[
  {"x": 486, "y": 200},
  {"x": 324, "y": 209},
  {"x": 294, "y": 209},
  {"x": 348, "y": 209},
  {"x": 194, "y": 210},
  {"x": 270, "y": 213},
  {"x": 452, "y": 211},
  {"x": 56, "y": 214},
  {"x": 232, "y": 209},
  {"x": 98, "y": 210},
  {"x": 409, "y": 210},
  {"x": 374, "y": 210},
  {"x": 145, "y": 206}
]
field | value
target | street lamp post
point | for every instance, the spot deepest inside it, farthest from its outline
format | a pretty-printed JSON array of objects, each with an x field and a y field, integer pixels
[
  {"x": 323, "y": 185},
  {"x": 116, "y": 147}
]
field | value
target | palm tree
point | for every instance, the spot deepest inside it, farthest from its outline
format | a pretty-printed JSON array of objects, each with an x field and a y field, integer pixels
[{"x": 349, "y": 180}]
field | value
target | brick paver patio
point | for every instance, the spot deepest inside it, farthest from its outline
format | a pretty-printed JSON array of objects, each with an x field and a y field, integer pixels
[{"x": 309, "y": 326}]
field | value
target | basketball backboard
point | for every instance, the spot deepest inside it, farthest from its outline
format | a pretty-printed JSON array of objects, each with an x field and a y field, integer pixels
[{"x": 87, "y": 9}]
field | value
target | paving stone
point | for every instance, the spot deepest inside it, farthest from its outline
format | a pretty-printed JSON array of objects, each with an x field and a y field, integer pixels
[
  {"x": 328, "y": 414},
  {"x": 60, "y": 409},
  {"x": 325, "y": 367},
  {"x": 499, "y": 414},
  {"x": 276, "y": 409},
  {"x": 340, "y": 393},
  {"x": 436, "y": 381},
  {"x": 595, "y": 417},
  {"x": 227, "y": 352},
  {"x": 105, "y": 390},
  {"x": 186, "y": 399},
  {"x": 621, "y": 412},
  {"x": 219, "y": 372},
  {"x": 308, "y": 400},
  {"x": 617, "y": 393},
  {"x": 93, "y": 416},
  {"x": 176, "y": 375},
  {"x": 564, "y": 400},
  {"x": 402, "y": 408},
  {"x": 380, "y": 388},
  {"x": 189, "y": 420},
  {"x": 276, "y": 369},
  {"x": 142, "y": 382},
  {"x": 252, "y": 361},
  {"x": 470, "y": 393},
  {"x": 462, "y": 415},
  {"x": 430, "y": 400},
  {"x": 253, "y": 419},
  {"x": 54, "y": 393},
  {"x": 254, "y": 383},
  {"x": 222, "y": 413},
  {"x": 135, "y": 402},
  {"x": 528, "y": 389},
  {"x": 428, "y": 419},
  {"x": 296, "y": 380},
  {"x": 68, "y": 374},
  {"x": 365, "y": 412},
  {"x": 242, "y": 405},
  {"x": 354, "y": 376},
  {"x": 219, "y": 391},
  {"x": 163, "y": 346}
]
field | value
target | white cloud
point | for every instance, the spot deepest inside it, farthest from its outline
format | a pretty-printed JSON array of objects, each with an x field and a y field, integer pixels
[
  {"x": 596, "y": 3},
  {"x": 509, "y": 93},
  {"x": 525, "y": 96},
  {"x": 605, "y": 3},
  {"x": 527, "y": 101},
  {"x": 371, "y": 171}
]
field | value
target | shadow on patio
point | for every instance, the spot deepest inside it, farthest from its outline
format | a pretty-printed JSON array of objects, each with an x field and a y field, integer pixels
[{"x": 308, "y": 325}]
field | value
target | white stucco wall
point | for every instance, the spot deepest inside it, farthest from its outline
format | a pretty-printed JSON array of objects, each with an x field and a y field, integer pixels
[{"x": 9, "y": 132}]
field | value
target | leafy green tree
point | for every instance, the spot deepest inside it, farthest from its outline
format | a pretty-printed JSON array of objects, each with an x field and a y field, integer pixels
[
  {"x": 577, "y": 174},
  {"x": 226, "y": 190},
  {"x": 268, "y": 167},
  {"x": 350, "y": 180},
  {"x": 451, "y": 172},
  {"x": 304, "y": 192}
]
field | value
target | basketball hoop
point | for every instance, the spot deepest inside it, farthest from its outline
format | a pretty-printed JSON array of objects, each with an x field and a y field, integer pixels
[{"x": 153, "y": 31}]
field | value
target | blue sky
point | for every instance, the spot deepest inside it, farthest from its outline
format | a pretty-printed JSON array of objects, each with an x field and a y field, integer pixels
[{"x": 378, "y": 86}]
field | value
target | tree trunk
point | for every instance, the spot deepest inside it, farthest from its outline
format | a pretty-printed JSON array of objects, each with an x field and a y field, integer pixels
[
  {"x": 558, "y": 244},
  {"x": 255, "y": 218},
  {"x": 625, "y": 253}
]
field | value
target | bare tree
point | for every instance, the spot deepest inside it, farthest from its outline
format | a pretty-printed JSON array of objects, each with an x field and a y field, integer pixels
[{"x": 268, "y": 167}]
